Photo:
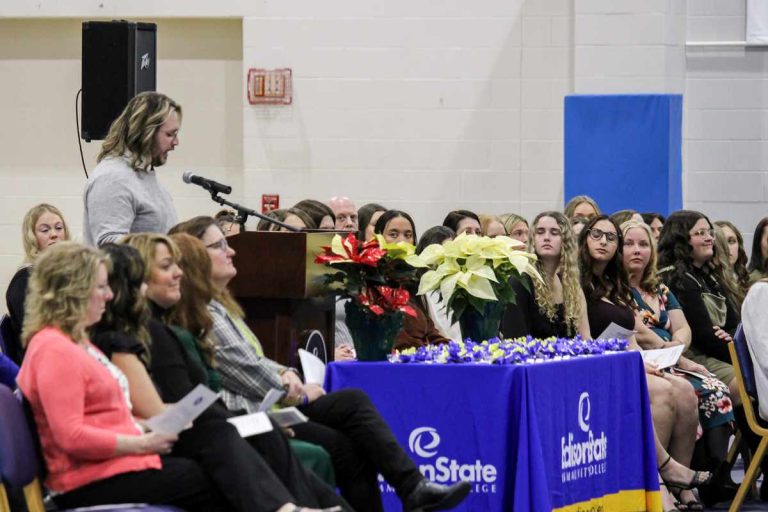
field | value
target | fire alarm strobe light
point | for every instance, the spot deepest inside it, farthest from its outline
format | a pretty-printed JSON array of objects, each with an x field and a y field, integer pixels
[{"x": 270, "y": 86}]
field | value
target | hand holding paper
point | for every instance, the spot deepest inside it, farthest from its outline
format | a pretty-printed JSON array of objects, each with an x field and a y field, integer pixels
[
  {"x": 178, "y": 416},
  {"x": 616, "y": 331},
  {"x": 663, "y": 357}
]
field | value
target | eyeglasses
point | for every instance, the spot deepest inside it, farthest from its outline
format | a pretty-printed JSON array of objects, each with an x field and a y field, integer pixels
[
  {"x": 221, "y": 245},
  {"x": 704, "y": 232},
  {"x": 598, "y": 234}
]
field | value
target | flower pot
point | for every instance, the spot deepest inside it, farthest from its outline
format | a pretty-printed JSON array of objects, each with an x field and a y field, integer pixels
[
  {"x": 373, "y": 335},
  {"x": 482, "y": 326}
]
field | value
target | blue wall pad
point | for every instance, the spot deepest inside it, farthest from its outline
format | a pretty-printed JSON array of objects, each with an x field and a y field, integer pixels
[{"x": 625, "y": 151}]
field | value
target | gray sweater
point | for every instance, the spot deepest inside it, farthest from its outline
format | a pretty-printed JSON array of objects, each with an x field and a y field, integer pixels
[{"x": 120, "y": 200}]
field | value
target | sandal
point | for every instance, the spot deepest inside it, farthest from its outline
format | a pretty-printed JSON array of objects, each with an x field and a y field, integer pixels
[
  {"x": 698, "y": 478},
  {"x": 692, "y": 504}
]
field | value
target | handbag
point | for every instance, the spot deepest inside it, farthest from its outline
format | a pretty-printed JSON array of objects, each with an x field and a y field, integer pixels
[{"x": 715, "y": 304}]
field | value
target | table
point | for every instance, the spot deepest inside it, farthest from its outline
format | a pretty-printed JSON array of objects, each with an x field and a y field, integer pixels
[{"x": 562, "y": 435}]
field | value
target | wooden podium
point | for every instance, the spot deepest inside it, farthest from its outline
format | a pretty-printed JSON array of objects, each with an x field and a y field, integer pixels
[{"x": 278, "y": 284}]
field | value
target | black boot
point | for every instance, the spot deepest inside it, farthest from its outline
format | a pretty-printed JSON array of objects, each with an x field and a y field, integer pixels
[{"x": 429, "y": 496}]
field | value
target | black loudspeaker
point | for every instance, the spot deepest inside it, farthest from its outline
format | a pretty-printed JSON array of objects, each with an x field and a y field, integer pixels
[{"x": 119, "y": 61}]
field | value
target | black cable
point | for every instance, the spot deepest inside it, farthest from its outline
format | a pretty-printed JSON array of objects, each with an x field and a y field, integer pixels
[{"x": 77, "y": 125}]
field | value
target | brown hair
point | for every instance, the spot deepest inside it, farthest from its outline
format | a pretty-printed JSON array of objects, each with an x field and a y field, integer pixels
[
  {"x": 197, "y": 226},
  {"x": 197, "y": 290}
]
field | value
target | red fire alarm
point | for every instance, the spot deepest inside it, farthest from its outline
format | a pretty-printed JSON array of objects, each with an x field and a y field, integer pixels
[
  {"x": 270, "y": 86},
  {"x": 269, "y": 202}
]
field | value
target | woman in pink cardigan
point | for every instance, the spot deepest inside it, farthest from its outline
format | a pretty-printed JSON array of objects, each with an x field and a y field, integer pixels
[{"x": 95, "y": 452}]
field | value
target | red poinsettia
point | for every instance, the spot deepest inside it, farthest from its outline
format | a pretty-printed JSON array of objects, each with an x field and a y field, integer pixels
[
  {"x": 372, "y": 274},
  {"x": 349, "y": 250},
  {"x": 394, "y": 299}
]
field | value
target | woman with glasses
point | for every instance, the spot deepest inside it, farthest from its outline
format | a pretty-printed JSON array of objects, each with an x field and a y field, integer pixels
[
  {"x": 663, "y": 323},
  {"x": 609, "y": 299},
  {"x": 688, "y": 267}
]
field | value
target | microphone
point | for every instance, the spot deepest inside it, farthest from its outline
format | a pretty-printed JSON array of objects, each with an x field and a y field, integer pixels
[{"x": 209, "y": 185}]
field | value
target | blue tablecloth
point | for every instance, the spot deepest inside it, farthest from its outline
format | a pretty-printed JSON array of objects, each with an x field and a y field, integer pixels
[{"x": 561, "y": 435}]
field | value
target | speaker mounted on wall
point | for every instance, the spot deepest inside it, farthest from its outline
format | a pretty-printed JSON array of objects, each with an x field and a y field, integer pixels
[{"x": 118, "y": 62}]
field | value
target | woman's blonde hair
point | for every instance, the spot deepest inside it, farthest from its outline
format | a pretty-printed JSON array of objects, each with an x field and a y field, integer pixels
[
  {"x": 59, "y": 290},
  {"x": 568, "y": 269},
  {"x": 570, "y": 207},
  {"x": 132, "y": 134},
  {"x": 510, "y": 219},
  {"x": 649, "y": 282},
  {"x": 146, "y": 244},
  {"x": 28, "y": 236},
  {"x": 487, "y": 220}
]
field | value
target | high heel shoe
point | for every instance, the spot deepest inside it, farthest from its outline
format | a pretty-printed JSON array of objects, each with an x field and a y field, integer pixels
[{"x": 699, "y": 478}]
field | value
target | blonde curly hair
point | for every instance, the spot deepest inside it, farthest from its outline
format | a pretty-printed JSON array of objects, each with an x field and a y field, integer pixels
[
  {"x": 568, "y": 269},
  {"x": 59, "y": 289}
]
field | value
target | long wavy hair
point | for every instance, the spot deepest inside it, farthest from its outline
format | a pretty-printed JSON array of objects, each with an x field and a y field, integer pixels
[
  {"x": 133, "y": 132},
  {"x": 568, "y": 269},
  {"x": 723, "y": 255},
  {"x": 758, "y": 262},
  {"x": 197, "y": 290},
  {"x": 740, "y": 266},
  {"x": 570, "y": 206},
  {"x": 649, "y": 282},
  {"x": 59, "y": 290},
  {"x": 28, "y": 235},
  {"x": 613, "y": 283},
  {"x": 127, "y": 312},
  {"x": 676, "y": 253},
  {"x": 197, "y": 226}
]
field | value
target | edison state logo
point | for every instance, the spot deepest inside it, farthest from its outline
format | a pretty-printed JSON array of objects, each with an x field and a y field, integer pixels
[
  {"x": 418, "y": 444},
  {"x": 584, "y": 410},
  {"x": 583, "y": 455}
]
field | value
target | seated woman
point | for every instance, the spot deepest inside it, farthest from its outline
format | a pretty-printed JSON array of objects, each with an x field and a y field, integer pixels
[
  {"x": 436, "y": 309},
  {"x": 259, "y": 474},
  {"x": 609, "y": 299},
  {"x": 43, "y": 226},
  {"x": 367, "y": 215},
  {"x": 397, "y": 226},
  {"x": 463, "y": 221},
  {"x": 492, "y": 226},
  {"x": 737, "y": 256},
  {"x": 663, "y": 323},
  {"x": 321, "y": 214},
  {"x": 688, "y": 267},
  {"x": 516, "y": 226},
  {"x": 580, "y": 210},
  {"x": 655, "y": 221},
  {"x": 758, "y": 260},
  {"x": 555, "y": 305},
  {"x": 344, "y": 422},
  {"x": 95, "y": 451}
]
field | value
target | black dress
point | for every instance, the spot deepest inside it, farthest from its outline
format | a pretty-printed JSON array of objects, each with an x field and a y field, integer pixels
[
  {"x": 257, "y": 474},
  {"x": 14, "y": 301},
  {"x": 526, "y": 318},
  {"x": 601, "y": 314}
]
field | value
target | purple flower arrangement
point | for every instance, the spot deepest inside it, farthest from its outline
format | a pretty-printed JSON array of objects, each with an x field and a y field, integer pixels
[{"x": 508, "y": 351}]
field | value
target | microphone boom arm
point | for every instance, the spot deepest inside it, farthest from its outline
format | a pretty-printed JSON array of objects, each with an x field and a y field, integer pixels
[{"x": 244, "y": 212}]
